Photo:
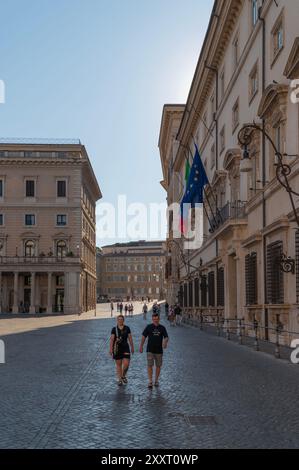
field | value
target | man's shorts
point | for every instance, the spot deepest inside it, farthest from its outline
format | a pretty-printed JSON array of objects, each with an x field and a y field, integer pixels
[{"x": 156, "y": 359}]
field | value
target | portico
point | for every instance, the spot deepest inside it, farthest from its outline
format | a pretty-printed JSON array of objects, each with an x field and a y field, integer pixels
[{"x": 37, "y": 291}]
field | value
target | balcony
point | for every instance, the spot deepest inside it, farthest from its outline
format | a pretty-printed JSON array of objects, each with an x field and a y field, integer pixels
[
  {"x": 233, "y": 210},
  {"x": 37, "y": 260}
]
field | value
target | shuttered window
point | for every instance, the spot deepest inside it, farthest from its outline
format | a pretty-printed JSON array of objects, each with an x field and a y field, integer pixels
[
  {"x": 220, "y": 287},
  {"x": 275, "y": 285},
  {"x": 251, "y": 279},
  {"x": 211, "y": 288}
]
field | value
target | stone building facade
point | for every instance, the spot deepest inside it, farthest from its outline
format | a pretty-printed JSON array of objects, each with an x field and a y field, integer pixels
[
  {"x": 133, "y": 270},
  {"x": 48, "y": 193},
  {"x": 244, "y": 74}
]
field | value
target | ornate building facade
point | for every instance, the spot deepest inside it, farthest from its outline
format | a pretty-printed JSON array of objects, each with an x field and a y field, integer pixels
[
  {"x": 48, "y": 193},
  {"x": 244, "y": 75},
  {"x": 133, "y": 270}
]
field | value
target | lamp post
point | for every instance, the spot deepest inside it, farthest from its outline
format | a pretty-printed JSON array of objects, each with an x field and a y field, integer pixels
[{"x": 283, "y": 170}]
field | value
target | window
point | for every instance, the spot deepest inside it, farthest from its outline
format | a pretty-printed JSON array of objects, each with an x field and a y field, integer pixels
[
  {"x": 220, "y": 287},
  {"x": 275, "y": 284},
  {"x": 30, "y": 188},
  {"x": 60, "y": 280},
  {"x": 27, "y": 281},
  {"x": 29, "y": 219},
  {"x": 1, "y": 219},
  {"x": 253, "y": 82},
  {"x": 211, "y": 288},
  {"x": 61, "y": 248},
  {"x": 222, "y": 139},
  {"x": 2, "y": 247},
  {"x": 61, "y": 188},
  {"x": 251, "y": 279},
  {"x": 29, "y": 248},
  {"x": 277, "y": 37},
  {"x": 61, "y": 219},
  {"x": 235, "y": 115},
  {"x": 254, "y": 12},
  {"x": 1, "y": 188}
]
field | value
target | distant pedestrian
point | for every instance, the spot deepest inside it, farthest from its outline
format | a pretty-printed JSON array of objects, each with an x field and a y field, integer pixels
[
  {"x": 155, "y": 308},
  {"x": 178, "y": 314},
  {"x": 166, "y": 309},
  {"x": 157, "y": 341},
  {"x": 144, "y": 310},
  {"x": 171, "y": 316},
  {"x": 111, "y": 308},
  {"x": 120, "y": 350},
  {"x": 126, "y": 310},
  {"x": 121, "y": 308},
  {"x": 131, "y": 310}
]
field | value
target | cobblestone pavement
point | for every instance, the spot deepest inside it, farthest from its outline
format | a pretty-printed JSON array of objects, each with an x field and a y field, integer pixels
[{"x": 58, "y": 390}]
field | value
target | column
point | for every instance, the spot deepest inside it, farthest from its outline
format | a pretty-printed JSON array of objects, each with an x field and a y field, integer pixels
[
  {"x": 49, "y": 302},
  {"x": 32, "y": 297},
  {"x": 15, "y": 308}
]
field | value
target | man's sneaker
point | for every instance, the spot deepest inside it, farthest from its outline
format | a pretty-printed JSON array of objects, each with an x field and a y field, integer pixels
[
  {"x": 156, "y": 384},
  {"x": 120, "y": 382},
  {"x": 125, "y": 380},
  {"x": 150, "y": 385}
]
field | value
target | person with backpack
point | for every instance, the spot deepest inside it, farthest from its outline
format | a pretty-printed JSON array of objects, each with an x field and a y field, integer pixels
[{"x": 121, "y": 348}]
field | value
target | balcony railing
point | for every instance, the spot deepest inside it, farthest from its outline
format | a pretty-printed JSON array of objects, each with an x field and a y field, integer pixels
[
  {"x": 233, "y": 210},
  {"x": 15, "y": 260}
]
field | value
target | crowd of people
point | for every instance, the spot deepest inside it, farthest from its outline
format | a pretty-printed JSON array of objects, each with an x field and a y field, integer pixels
[{"x": 128, "y": 308}]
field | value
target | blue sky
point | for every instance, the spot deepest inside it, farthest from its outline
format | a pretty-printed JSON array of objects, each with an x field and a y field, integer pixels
[{"x": 101, "y": 71}]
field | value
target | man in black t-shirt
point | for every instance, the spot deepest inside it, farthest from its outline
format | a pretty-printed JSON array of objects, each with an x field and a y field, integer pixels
[{"x": 157, "y": 341}]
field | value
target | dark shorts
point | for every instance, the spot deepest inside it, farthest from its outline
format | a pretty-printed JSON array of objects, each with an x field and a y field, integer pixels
[{"x": 122, "y": 355}]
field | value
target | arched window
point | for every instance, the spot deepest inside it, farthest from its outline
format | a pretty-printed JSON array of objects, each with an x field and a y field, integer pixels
[
  {"x": 61, "y": 248},
  {"x": 29, "y": 248}
]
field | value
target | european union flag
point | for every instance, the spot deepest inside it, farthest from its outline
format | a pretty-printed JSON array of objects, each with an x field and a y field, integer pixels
[
  {"x": 196, "y": 182},
  {"x": 194, "y": 190}
]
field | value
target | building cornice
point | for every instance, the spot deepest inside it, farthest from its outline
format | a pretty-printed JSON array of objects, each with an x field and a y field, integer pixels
[{"x": 221, "y": 26}]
